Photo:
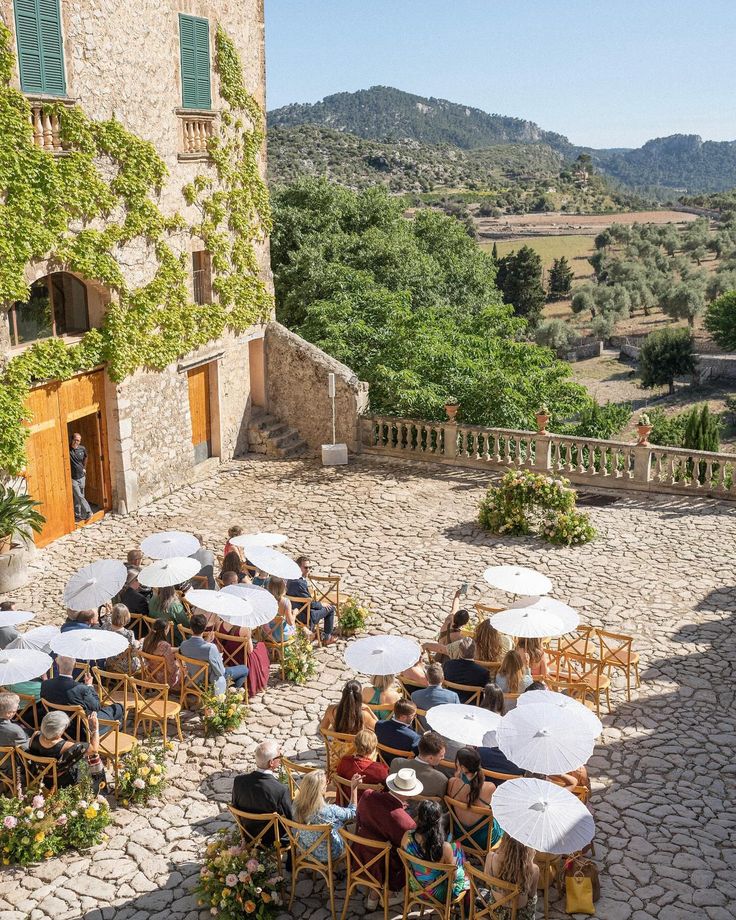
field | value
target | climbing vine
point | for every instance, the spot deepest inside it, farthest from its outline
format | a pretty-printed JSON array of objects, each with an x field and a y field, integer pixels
[{"x": 82, "y": 210}]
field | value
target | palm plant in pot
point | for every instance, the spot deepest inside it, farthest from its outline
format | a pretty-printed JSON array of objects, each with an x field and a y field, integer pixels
[{"x": 18, "y": 517}]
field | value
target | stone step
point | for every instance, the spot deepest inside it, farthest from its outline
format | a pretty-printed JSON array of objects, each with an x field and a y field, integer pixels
[{"x": 267, "y": 435}]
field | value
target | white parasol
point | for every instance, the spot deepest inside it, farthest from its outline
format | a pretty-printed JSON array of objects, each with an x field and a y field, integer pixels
[
  {"x": 95, "y": 584},
  {"x": 15, "y": 617},
  {"x": 582, "y": 715},
  {"x": 543, "y": 617},
  {"x": 249, "y": 540},
  {"x": 271, "y": 561},
  {"x": 18, "y": 664},
  {"x": 545, "y": 739},
  {"x": 169, "y": 543},
  {"x": 462, "y": 724},
  {"x": 382, "y": 654},
  {"x": 227, "y": 606},
  {"x": 37, "y": 638},
  {"x": 168, "y": 572},
  {"x": 514, "y": 579},
  {"x": 264, "y": 605},
  {"x": 570, "y": 618},
  {"x": 543, "y": 816},
  {"x": 89, "y": 644}
]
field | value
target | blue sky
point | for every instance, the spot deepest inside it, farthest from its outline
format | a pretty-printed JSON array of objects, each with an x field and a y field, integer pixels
[{"x": 605, "y": 74}]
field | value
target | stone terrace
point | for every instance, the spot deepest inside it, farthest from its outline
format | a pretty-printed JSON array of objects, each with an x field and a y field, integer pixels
[{"x": 404, "y": 537}]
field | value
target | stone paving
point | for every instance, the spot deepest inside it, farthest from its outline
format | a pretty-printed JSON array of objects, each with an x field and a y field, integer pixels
[{"x": 403, "y": 536}]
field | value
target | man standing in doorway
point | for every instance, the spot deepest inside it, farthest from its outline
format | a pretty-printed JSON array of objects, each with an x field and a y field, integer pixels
[{"x": 78, "y": 461}]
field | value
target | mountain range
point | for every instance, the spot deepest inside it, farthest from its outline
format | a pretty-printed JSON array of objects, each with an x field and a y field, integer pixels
[{"x": 387, "y": 116}]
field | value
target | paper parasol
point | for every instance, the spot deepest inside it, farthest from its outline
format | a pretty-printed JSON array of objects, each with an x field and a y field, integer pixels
[
  {"x": 15, "y": 617},
  {"x": 544, "y": 739},
  {"x": 89, "y": 644},
  {"x": 273, "y": 562},
  {"x": 462, "y": 724},
  {"x": 382, "y": 654},
  {"x": 37, "y": 638},
  {"x": 248, "y": 540},
  {"x": 264, "y": 605},
  {"x": 95, "y": 584},
  {"x": 227, "y": 606},
  {"x": 17, "y": 664},
  {"x": 514, "y": 579},
  {"x": 169, "y": 543},
  {"x": 583, "y": 716},
  {"x": 168, "y": 572}
]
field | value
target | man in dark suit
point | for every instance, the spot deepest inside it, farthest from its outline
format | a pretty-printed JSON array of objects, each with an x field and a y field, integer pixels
[
  {"x": 426, "y": 765},
  {"x": 493, "y": 758},
  {"x": 132, "y": 595},
  {"x": 464, "y": 670},
  {"x": 260, "y": 792},
  {"x": 299, "y": 587},
  {"x": 65, "y": 691},
  {"x": 397, "y": 732}
]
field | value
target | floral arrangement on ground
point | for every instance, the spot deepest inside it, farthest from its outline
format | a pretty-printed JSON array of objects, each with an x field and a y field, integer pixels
[
  {"x": 300, "y": 664},
  {"x": 35, "y": 827},
  {"x": 237, "y": 880},
  {"x": 353, "y": 616},
  {"x": 223, "y": 712},
  {"x": 142, "y": 774},
  {"x": 531, "y": 503}
]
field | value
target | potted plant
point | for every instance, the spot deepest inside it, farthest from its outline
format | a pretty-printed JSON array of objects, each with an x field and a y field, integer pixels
[
  {"x": 643, "y": 428},
  {"x": 353, "y": 617},
  {"x": 543, "y": 417},
  {"x": 18, "y": 517},
  {"x": 451, "y": 407}
]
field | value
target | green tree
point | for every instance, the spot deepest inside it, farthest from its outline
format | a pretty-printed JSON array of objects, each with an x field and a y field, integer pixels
[
  {"x": 720, "y": 320},
  {"x": 520, "y": 281},
  {"x": 702, "y": 429},
  {"x": 494, "y": 253},
  {"x": 666, "y": 354},
  {"x": 560, "y": 279},
  {"x": 555, "y": 334},
  {"x": 603, "y": 240},
  {"x": 583, "y": 299},
  {"x": 684, "y": 301}
]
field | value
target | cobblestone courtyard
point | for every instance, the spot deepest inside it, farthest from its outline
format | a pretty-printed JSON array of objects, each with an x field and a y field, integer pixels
[{"x": 404, "y": 537}]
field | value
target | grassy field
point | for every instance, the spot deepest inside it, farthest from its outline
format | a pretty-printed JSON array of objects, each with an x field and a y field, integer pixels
[{"x": 575, "y": 248}]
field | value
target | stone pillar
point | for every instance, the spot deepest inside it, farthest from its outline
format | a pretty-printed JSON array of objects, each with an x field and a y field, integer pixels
[
  {"x": 542, "y": 453},
  {"x": 642, "y": 455},
  {"x": 450, "y": 430}
]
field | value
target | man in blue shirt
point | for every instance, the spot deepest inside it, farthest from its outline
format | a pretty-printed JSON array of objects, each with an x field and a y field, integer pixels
[
  {"x": 435, "y": 694},
  {"x": 197, "y": 647},
  {"x": 397, "y": 732},
  {"x": 299, "y": 587}
]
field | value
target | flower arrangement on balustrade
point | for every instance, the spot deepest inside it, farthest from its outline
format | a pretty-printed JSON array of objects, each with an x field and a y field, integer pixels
[
  {"x": 300, "y": 664},
  {"x": 36, "y": 827},
  {"x": 237, "y": 880},
  {"x": 223, "y": 712},
  {"x": 353, "y": 616},
  {"x": 142, "y": 774},
  {"x": 531, "y": 503}
]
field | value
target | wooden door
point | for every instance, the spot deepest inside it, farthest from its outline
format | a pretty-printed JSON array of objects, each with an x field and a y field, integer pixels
[
  {"x": 88, "y": 427},
  {"x": 257, "y": 373},
  {"x": 199, "y": 408},
  {"x": 47, "y": 474}
]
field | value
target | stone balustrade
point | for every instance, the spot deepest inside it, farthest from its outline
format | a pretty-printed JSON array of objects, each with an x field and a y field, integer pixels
[
  {"x": 197, "y": 128},
  {"x": 46, "y": 125},
  {"x": 591, "y": 461}
]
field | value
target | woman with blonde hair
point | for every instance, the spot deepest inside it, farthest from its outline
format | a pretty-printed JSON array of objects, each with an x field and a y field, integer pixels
[
  {"x": 512, "y": 676},
  {"x": 490, "y": 644},
  {"x": 126, "y": 662},
  {"x": 532, "y": 651},
  {"x": 385, "y": 690},
  {"x": 309, "y": 807},
  {"x": 364, "y": 761},
  {"x": 283, "y": 625},
  {"x": 513, "y": 862}
]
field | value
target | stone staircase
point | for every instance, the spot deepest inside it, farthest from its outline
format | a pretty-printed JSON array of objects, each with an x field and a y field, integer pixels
[{"x": 266, "y": 435}]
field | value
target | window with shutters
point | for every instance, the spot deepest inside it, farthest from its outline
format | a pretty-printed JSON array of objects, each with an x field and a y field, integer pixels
[
  {"x": 40, "y": 51},
  {"x": 194, "y": 40}
]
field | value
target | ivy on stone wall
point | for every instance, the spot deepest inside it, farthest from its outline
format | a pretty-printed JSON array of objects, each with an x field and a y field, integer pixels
[{"x": 80, "y": 209}]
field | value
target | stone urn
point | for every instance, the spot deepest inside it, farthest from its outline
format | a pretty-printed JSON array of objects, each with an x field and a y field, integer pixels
[
  {"x": 642, "y": 432},
  {"x": 542, "y": 421},
  {"x": 14, "y": 565},
  {"x": 451, "y": 407}
]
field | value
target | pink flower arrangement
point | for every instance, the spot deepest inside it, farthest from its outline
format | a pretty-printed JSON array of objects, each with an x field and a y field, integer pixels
[{"x": 9, "y": 822}]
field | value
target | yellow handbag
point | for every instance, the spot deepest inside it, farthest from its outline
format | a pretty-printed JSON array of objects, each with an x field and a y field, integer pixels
[{"x": 579, "y": 894}]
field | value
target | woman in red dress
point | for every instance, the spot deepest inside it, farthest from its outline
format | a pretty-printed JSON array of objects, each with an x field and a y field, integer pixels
[
  {"x": 253, "y": 654},
  {"x": 363, "y": 761}
]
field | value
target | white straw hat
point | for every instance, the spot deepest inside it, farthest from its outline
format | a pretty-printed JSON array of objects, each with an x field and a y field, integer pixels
[{"x": 404, "y": 782}]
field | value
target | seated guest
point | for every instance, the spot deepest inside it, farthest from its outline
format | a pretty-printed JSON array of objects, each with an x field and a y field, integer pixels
[
  {"x": 134, "y": 559},
  {"x": 364, "y": 761},
  {"x": 82, "y": 619},
  {"x": 233, "y": 563},
  {"x": 12, "y": 733},
  {"x": 452, "y": 629},
  {"x": 383, "y": 691},
  {"x": 490, "y": 644},
  {"x": 532, "y": 654},
  {"x": 397, "y": 732},
  {"x": 492, "y": 758},
  {"x": 234, "y": 531},
  {"x": 434, "y": 694},
  {"x": 428, "y": 841},
  {"x": 65, "y": 691},
  {"x": 382, "y": 815},
  {"x": 309, "y": 807},
  {"x": 493, "y": 700},
  {"x": 206, "y": 559},
  {"x": 8, "y": 634},
  {"x": 283, "y": 626},
  {"x": 513, "y": 862},
  {"x": 536, "y": 685},
  {"x": 229, "y": 578},
  {"x": 415, "y": 677},
  {"x": 464, "y": 670},
  {"x": 573, "y": 778},
  {"x": 350, "y": 715},
  {"x": 299, "y": 587},
  {"x": 469, "y": 786},
  {"x": 50, "y": 742},
  {"x": 132, "y": 595},
  {"x": 512, "y": 676},
  {"x": 166, "y": 605},
  {"x": 125, "y": 662},
  {"x": 241, "y": 649},
  {"x": 195, "y": 646},
  {"x": 260, "y": 791},
  {"x": 157, "y": 644},
  {"x": 431, "y": 751}
]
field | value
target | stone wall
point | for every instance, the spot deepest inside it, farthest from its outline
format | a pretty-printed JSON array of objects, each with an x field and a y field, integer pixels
[{"x": 296, "y": 389}]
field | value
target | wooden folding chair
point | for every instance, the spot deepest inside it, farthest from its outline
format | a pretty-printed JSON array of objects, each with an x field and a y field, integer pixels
[
  {"x": 504, "y": 908},
  {"x": 258, "y": 830},
  {"x": 153, "y": 707},
  {"x": 420, "y": 895},
  {"x": 302, "y": 606},
  {"x": 28, "y": 712},
  {"x": 581, "y": 641},
  {"x": 278, "y": 647},
  {"x": 8, "y": 772},
  {"x": 617, "y": 653},
  {"x": 409, "y": 688},
  {"x": 77, "y": 729},
  {"x": 549, "y": 874},
  {"x": 420, "y": 721},
  {"x": 485, "y": 610},
  {"x": 114, "y": 744},
  {"x": 194, "y": 680},
  {"x": 137, "y": 626},
  {"x": 232, "y": 657},
  {"x": 378, "y": 710},
  {"x": 337, "y": 744},
  {"x": 154, "y": 668},
  {"x": 200, "y": 581},
  {"x": 37, "y": 773},
  {"x": 589, "y": 673},
  {"x": 303, "y": 857},
  {"x": 342, "y": 789},
  {"x": 474, "y": 693},
  {"x": 147, "y": 623},
  {"x": 465, "y": 836},
  {"x": 490, "y": 666},
  {"x": 495, "y": 776},
  {"x": 112, "y": 687},
  {"x": 326, "y": 591},
  {"x": 294, "y": 769},
  {"x": 387, "y": 754},
  {"x": 360, "y": 870}
]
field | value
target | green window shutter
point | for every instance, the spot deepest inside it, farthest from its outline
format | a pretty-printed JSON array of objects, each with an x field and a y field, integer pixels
[
  {"x": 40, "y": 52},
  {"x": 194, "y": 39}
]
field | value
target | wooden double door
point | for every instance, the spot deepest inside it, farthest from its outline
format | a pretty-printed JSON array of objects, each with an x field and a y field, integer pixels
[{"x": 56, "y": 410}]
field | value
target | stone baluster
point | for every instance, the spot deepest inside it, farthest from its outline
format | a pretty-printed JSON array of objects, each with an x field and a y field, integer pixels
[
  {"x": 56, "y": 133},
  {"x": 450, "y": 430},
  {"x": 542, "y": 453},
  {"x": 37, "y": 126},
  {"x": 48, "y": 136}
]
